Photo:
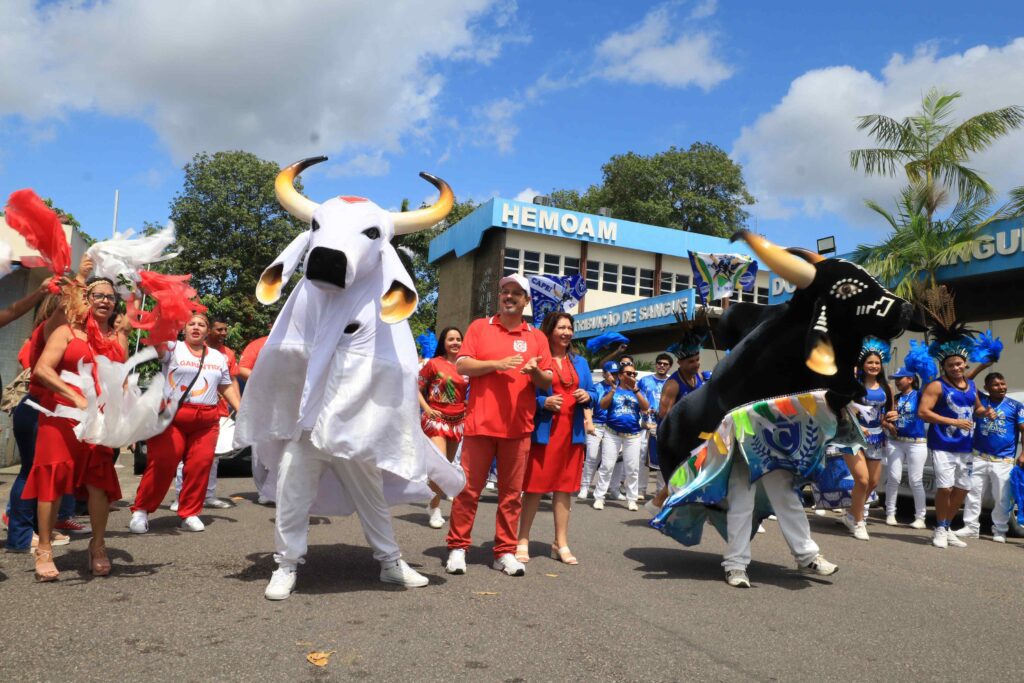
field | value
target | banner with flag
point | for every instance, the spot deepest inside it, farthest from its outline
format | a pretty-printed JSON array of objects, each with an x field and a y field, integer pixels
[
  {"x": 720, "y": 275},
  {"x": 555, "y": 293}
]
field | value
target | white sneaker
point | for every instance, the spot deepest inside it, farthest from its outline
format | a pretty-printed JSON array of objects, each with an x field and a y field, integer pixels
[
  {"x": 192, "y": 523},
  {"x": 174, "y": 505},
  {"x": 940, "y": 539},
  {"x": 849, "y": 521},
  {"x": 510, "y": 565},
  {"x": 999, "y": 538},
  {"x": 918, "y": 524},
  {"x": 773, "y": 518},
  {"x": 582, "y": 495},
  {"x": 860, "y": 531},
  {"x": 632, "y": 506},
  {"x": 737, "y": 578},
  {"x": 436, "y": 518},
  {"x": 652, "y": 508},
  {"x": 820, "y": 566},
  {"x": 954, "y": 540},
  {"x": 282, "y": 583},
  {"x": 218, "y": 503},
  {"x": 456, "y": 562},
  {"x": 966, "y": 532},
  {"x": 599, "y": 503},
  {"x": 139, "y": 523},
  {"x": 761, "y": 529},
  {"x": 491, "y": 486},
  {"x": 619, "y": 496},
  {"x": 891, "y": 520},
  {"x": 263, "y": 500},
  {"x": 398, "y": 572},
  {"x": 821, "y": 512}
]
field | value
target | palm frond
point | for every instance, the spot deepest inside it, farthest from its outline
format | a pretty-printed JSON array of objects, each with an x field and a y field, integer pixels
[
  {"x": 978, "y": 132},
  {"x": 1015, "y": 207},
  {"x": 1019, "y": 334},
  {"x": 878, "y": 161}
]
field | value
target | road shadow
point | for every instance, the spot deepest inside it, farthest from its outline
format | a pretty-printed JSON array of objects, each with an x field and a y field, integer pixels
[
  {"x": 74, "y": 566},
  {"x": 330, "y": 569},
  {"x": 832, "y": 526},
  {"x": 475, "y": 554},
  {"x": 673, "y": 563}
]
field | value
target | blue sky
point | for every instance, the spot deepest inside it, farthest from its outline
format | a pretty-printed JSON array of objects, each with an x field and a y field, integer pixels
[{"x": 497, "y": 97}]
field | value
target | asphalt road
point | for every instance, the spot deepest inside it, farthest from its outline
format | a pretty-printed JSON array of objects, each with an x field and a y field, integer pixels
[{"x": 189, "y": 607}]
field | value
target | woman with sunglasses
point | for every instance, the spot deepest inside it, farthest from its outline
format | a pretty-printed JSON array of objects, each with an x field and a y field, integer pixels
[
  {"x": 556, "y": 456},
  {"x": 623, "y": 431},
  {"x": 63, "y": 464}
]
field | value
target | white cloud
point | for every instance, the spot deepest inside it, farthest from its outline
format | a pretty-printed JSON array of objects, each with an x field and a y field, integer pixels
[
  {"x": 796, "y": 156},
  {"x": 704, "y": 9},
  {"x": 651, "y": 53},
  {"x": 527, "y": 195},
  {"x": 361, "y": 165},
  {"x": 283, "y": 80},
  {"x": 496, "y": 124}
]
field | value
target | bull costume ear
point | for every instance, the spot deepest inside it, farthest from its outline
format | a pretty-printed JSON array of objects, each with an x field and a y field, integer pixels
[
  {"x": 821, "y": 357},
  {"x": 268, "y": 289},
  {"x": 399, "y": 299}
]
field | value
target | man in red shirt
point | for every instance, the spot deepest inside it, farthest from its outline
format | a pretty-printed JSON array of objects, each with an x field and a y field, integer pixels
[
  {"x": 249, "y": 355},
  {"x": 507, "y": 360}
]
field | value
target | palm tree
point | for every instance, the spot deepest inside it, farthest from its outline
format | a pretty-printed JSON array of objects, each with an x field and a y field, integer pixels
[{"x": 933, "y": 151}]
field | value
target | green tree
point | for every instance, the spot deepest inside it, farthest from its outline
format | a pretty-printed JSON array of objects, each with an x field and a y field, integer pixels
[
  {"x": 229, "y": 227},
  {"x": 699, "y": 189}
]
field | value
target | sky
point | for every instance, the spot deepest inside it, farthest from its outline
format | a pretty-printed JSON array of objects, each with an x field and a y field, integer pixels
[{"x": 499, "y": 98}]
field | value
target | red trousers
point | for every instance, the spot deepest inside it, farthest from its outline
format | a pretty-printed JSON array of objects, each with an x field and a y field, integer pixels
[
  {"x": 477, "y": 454},
  {"x": 192, "y": 436}
]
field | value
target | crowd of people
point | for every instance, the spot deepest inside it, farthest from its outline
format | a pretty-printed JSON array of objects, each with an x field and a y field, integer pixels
[{"x": 505, "y": 397}]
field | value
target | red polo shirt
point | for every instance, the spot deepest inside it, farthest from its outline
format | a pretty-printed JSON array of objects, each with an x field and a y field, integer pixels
[
  {"x": 251, "y": 352},
  {"x": 222, "y": 405},
  {"x": 502, "y": 404}
]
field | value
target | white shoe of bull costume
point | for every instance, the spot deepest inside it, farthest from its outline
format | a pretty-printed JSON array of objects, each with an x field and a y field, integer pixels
[{"x": 331, "y": 406}]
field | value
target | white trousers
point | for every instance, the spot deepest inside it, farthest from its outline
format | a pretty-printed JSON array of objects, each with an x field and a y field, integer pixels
[
  {"x": 610, "y": 445},
  {"x": 211, "y": 484},
  {"x": 778, "y": 484},
  {"x": 997, "y": 476},
  {"x": 298, "y": 477},
  {"x": 593, "y": 458},
  {"x": 913, "y": 456}
]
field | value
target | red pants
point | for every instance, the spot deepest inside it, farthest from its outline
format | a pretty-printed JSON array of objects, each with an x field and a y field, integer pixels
[
  {"x": 477, "y": 454},
  {"x": 192, "y": 436}
]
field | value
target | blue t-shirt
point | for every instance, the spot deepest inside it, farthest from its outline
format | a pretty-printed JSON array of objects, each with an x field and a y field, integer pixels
[
  {"x": 872, "y": 422},
  {"x": 998, "y": 436},
  {"x": 624, "y": 412},
  {"x": 957, "y": 404},
  {"x": 651, "y": 387},
  {"x": 908, "y": 424},
  {"x": 600, "y": 414}
]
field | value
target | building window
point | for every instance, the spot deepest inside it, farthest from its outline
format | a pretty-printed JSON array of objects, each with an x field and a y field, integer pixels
[
  {"x": 552, "y": 264},
  {"x": 668, "y": 282},
  {"x": 646, "y": 282},
  {"x": 610, "y": 281},
  {"x": 593, "y": 275},
  {"x": 571, "y": 266},
  {"x": 628, "y": 282},
  {"x": 762, "y": 295},
  {"x": 511, "y": 261},
  {"x": 531, "y": 263},
  {"x": 682, "y": 282}
]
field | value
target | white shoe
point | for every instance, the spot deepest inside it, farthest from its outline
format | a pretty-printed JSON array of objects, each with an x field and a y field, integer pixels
[
  {"x": 966, "y": 532},
  {"x": 282, "y": 583},
  {"x": 456, "y": 562},
  {"x": 599, "y": 503},
  {"x": 632, "y": 506},
  {"x": 821, "y": 512},
  {"x": 618, "y": 496},
  {"x": 218, "y": 503},
  {"x": 761, "y": 529},
  {"x": 860, "y": 531},
  {"x": 491, "y": 486},
  {"x": 652, "y": 508},
  {"x": 918, "y": 524},
  {"x": 737, "y": 578},
  {"x": 954, "y": 540},
  {"x": 510, "y": 565},
  {"x": 400, "y": 573},
  {"x": 849, "y": 521},
  {"x": 773, "y": 518},
  {"x": 820, "y": 566},
  {"x": 582, "y": 495},
  {"x": 999, "y": 538},
  {"x": 174, "y": 505},
  {"x": 891, "y": 520},
  {"x": 192, "y": 523},
  {"x": 940, "y": 539},
  {"x": 263, "y": 500},
  {"x": 436, "y": 518},
  {"x": 139, "y": 523}
]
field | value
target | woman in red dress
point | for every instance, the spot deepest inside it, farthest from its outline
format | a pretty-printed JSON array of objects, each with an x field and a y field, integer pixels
[
  {"x": 556, "y": 457},
  {"x": 443, "y": 400},
  {"x": 63, "y": 464}
]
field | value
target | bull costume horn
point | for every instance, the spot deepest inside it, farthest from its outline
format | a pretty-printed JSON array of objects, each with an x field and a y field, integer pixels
[
  {"x": 421, "y": 219},
  {"x": 789, "y": 267},
  {"x": 284, "y": 187}
]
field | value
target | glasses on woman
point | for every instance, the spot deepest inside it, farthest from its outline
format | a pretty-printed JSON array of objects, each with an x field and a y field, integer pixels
[
  {"x": 630, "y": 374},
  {"x": 98, "y": 296}
]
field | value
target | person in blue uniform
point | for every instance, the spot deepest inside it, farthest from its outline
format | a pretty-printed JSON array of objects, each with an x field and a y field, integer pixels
[
  {"x": 625, "y": 405},
  {"x": 652, "y": 386},
  {"x": 907, "y": 448},
  {"x": 595, "y": 425}
]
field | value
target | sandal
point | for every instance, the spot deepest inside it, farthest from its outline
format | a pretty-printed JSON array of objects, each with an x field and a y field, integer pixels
[
  {"x": 523, "y": 551},
  {"x": 563, "y": 555},
  {"x": 99, "y": 563},
  {"x": 46, "y": 570}
]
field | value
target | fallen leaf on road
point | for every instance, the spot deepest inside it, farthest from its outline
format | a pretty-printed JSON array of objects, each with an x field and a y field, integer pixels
[
  {"x": 236, "y": 498},
  {"x": 484, "y": 593},
  {"x": 319, "y": 658},
  {"x": 553, "y": 576}
]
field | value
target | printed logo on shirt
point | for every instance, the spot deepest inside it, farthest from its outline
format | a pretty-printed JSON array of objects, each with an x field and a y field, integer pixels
[{"x": 519, "y": 345}]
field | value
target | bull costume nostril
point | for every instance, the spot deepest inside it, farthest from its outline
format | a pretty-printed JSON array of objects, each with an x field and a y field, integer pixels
[{"x": 328, "y": 266}]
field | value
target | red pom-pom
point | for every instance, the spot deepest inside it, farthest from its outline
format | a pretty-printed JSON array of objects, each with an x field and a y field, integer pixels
[
  {"x": 41, "y": 228},
  {"x": 175, "y": 304}
]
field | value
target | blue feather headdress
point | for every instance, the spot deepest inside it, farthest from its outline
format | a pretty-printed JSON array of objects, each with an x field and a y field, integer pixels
[
  {"x": 948, "y": 336},
  {"x": 687, "y": 347},
  {"x": 427, "y": 343},
  {"x": 919, "y": 362},
  {"x": 876, "y": 346},
  {"x": 986, "y": 349}
]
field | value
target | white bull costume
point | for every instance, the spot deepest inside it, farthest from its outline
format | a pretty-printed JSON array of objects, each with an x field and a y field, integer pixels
[{"x": 331, "y": 408}]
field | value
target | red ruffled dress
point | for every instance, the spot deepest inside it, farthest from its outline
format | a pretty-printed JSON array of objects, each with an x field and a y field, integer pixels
[
  {"x": 445, "y": 390},
  {"x": 558, "y": 465},
  {"x": 63, "y": 464}
]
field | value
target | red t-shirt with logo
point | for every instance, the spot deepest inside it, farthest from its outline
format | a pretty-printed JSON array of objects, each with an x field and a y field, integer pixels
[
  {"x": 251, "y": 352},
  {"x": 502, "y": 403}
]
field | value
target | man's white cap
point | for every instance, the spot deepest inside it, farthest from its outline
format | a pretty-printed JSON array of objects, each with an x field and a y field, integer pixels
[{"x": 516, "y": 278}]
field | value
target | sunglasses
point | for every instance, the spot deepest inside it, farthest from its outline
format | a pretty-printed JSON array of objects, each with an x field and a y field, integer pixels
[
  {"x": 630, "y": 374},
  {"x": 103, "y": 297},
  {"x": 663, "y": 362}
]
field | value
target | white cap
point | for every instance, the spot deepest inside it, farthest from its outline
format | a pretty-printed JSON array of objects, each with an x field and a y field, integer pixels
[{"x": 517, "y": 279}]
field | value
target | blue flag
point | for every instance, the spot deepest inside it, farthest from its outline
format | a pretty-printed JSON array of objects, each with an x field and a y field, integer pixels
[
  {"x": 555, "y": 293},
  {"x": 719, "y": 275}
]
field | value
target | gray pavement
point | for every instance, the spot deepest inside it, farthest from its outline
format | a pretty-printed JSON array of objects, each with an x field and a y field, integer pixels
[{"x": 189, "y": 607}]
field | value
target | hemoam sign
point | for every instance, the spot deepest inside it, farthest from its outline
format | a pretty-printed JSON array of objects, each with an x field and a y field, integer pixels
[
  {"x": 652, "y": 312},
  {"x": 552, "y": 221}
]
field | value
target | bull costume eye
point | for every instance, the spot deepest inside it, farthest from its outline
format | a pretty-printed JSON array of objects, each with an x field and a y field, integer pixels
[
  {"x": 315, "y": 225},
  {"x": 846, "y": 288},
  {"x": 372, "y": 233}
]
